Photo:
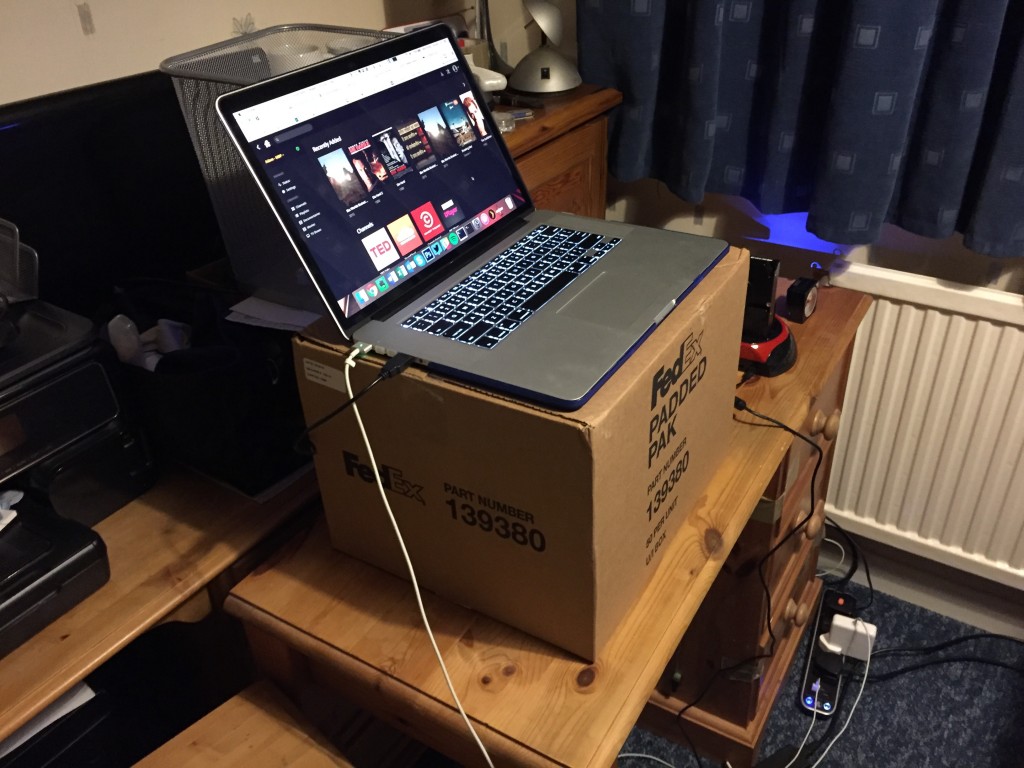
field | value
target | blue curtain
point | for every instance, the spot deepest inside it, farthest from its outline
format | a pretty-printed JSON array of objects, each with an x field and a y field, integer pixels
[{"x": 859, "y": 112}]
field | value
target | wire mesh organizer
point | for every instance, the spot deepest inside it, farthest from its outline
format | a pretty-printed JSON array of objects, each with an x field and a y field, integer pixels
[{"x": 261, "y": 257}]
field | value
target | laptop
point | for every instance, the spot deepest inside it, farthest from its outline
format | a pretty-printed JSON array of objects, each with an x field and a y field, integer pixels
[{"x": 393, "y": 184}]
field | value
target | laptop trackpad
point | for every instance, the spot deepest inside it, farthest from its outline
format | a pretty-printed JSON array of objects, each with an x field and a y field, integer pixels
[{"x": 602, "y": 302}]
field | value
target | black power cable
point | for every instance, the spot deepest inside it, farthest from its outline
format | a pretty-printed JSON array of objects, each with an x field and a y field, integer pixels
[
  {"x": 882, "y": 677},
  {"x": 740, "y": 405},
  {"x": 902, "y": 652},
  {"x": 858, "y": 556},
  {"x": 926, "y": 649},
  {"x": 392, "y": 367}
]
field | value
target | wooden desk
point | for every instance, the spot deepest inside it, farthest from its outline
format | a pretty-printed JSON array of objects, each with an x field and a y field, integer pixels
[
  {"x": 318, "y": 614},
  {"x": 261, "y": 728},
  {"x": 258, "y": 728},
  {"x": 165, "y": 549},
  {"x": 561, "y": 151}
]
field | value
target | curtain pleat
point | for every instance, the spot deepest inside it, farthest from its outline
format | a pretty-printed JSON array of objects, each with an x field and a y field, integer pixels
[{"x": 859, "y": 112}]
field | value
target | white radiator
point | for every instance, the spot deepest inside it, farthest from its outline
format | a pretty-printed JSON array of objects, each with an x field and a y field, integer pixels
[{"x": 929, "y": 454}]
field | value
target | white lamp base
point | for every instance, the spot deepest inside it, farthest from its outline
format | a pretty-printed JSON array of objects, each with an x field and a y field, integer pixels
[{"x": 544, "y": 70}]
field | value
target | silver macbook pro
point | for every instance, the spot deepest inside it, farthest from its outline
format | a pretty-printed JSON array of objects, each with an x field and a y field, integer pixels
[{"x": 396, "y": 189}]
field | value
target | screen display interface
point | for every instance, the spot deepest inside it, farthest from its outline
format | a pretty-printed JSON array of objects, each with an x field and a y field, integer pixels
[{"x": 382, "y": 172}]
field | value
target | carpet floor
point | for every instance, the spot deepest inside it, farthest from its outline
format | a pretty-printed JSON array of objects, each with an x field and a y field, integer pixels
[{"x": 965, "y": 714}]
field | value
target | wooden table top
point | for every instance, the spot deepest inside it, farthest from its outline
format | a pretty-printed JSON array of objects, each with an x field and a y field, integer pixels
[
  {"x": 163, "y": 548},
  {"x": 258, "y": 728},
  {"x": 560, "y": 114},
  {"x": 534, "y": 704}
]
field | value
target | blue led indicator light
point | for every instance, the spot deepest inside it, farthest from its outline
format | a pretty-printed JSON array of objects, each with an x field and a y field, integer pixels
[
  {"x": 809, "y": 700},
  {"x": 827, "y": 707}
]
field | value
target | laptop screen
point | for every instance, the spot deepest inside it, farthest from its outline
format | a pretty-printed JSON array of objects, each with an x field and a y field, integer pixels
[{"x": 381, "y": 164}]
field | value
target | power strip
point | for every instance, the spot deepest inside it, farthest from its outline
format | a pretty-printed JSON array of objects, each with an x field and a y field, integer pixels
[{"x": 823, "y": 675}]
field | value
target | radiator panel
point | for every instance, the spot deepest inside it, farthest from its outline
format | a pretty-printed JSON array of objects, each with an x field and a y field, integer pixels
[{"x": 929, "y": 454}]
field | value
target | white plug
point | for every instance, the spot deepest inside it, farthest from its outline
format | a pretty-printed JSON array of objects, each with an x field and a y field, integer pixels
[{"x": 849, "y": 637}]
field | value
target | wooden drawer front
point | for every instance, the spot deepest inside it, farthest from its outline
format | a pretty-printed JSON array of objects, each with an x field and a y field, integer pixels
[
  {"x": 568, "y": 173},
  {"x": 775, "y": 519},
  {"x": 713, "y": 642},
  {"x": 824, "y": 416},
  {"x": 795, "y": 507},
  {"x": 720, "y": 737},
  {"x": 788, "y": 611},
  {"x": 829, "y": 401}
]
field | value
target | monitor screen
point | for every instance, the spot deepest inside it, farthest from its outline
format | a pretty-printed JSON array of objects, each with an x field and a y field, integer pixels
[
  {"x": 103, "y": 182},
  {"x": 381, "y": 169}
]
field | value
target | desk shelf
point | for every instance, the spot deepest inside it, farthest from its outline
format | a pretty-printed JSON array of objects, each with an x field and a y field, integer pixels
[{"x": 166, "y": 549}]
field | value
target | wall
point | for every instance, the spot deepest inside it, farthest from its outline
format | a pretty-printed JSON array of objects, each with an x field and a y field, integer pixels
[{"x": 52, "y": 45}]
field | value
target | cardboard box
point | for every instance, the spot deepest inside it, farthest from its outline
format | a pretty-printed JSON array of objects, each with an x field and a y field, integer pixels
[{"x": 552, "y": 522}]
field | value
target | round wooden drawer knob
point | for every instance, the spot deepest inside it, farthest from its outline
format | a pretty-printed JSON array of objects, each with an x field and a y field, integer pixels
[
  {"x": 791, "y": 610},
  {"x": 802, "y": 614},
  {"x": 831, "y": 428},
  {"x": 818, "y": 421},
  {"x": 815, "y": 525}
]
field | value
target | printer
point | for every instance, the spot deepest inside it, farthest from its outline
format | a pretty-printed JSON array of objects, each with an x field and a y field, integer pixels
[{"x": 68, "y": 458}]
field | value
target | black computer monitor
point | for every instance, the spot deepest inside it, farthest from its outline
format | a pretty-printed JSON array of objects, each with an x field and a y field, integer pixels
[{"x": 103, "y": 182}]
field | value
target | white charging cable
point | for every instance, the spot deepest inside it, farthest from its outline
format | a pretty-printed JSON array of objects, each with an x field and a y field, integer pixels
[
  {"x": 869, "y": 635},
  {"x": 350, "y": 362},
  {"x": 838, "y": 566},
  {"x": 816, "y": 686},
  {"x": 644, "y": 756}
]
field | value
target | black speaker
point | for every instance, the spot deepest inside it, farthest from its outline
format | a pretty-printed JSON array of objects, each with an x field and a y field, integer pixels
[
  {"x": 759, "y": 313},
  {"x": 767, "y": 348}
]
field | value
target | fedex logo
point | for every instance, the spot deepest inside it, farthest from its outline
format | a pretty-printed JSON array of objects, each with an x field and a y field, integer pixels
[
  {"x": 380, "y": 248},
  {"x": 670, "y": 386},
  {"x": 391, "y": 477},
  {"x": 683, "y": 375}
]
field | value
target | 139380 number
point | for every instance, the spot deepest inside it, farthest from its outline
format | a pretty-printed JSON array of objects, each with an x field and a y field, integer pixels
[
  {"x": 666, "y": 487},
  {"x": 499, "y": 524}
]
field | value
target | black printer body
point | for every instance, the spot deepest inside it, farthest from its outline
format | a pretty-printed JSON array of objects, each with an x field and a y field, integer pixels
[{"x": 69, "y": 457}]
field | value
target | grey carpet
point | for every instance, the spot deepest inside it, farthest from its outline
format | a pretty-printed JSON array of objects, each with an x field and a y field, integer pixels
[{"x": 951, "y": 714}]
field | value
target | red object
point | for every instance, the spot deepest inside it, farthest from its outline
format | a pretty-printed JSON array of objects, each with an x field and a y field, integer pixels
[{"x": 771, "y": 356}]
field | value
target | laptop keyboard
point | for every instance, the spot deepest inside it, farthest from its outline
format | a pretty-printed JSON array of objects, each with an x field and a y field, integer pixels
[{"x": 493, "y": 301}]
